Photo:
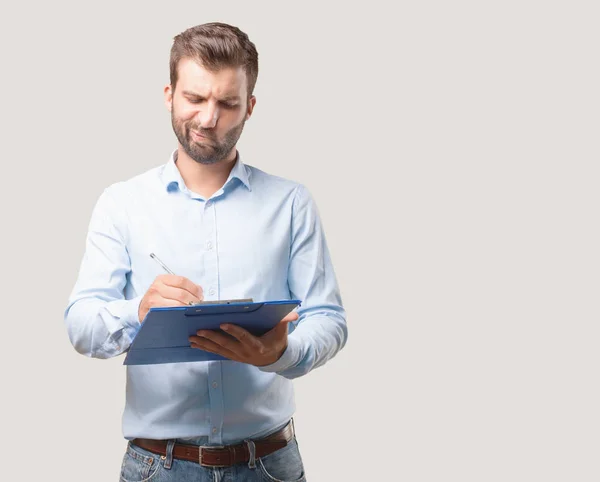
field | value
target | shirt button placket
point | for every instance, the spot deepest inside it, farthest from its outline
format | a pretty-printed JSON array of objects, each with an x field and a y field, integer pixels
[
  {"x": 211, "y": 284},
  {"x": 210, "y": 252}
]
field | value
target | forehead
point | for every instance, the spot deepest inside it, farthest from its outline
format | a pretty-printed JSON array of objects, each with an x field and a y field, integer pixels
[{"x": 228, "y": 81}]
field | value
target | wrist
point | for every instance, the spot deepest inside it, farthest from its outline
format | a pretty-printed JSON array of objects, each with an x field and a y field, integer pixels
[{"x": 274, "y": 358}]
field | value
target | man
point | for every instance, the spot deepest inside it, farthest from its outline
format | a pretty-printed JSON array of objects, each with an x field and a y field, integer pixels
[{"x": 228, "y": 231}]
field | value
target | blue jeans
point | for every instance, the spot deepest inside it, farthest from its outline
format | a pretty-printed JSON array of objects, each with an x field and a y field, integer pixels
[{"x": 139, "y": 465}]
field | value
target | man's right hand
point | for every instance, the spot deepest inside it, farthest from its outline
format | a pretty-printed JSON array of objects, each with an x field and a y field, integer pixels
[{"x": 169, "y": 290}]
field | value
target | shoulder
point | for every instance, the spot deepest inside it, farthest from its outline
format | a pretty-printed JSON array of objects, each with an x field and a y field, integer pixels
[
  {"x": 284, "y": 192},
  {"x": 138, "y": 186},
  {"x": 263, "y": 181}
]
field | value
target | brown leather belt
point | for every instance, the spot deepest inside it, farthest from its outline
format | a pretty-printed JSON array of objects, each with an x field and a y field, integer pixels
[{"x": 220, "y": 456}]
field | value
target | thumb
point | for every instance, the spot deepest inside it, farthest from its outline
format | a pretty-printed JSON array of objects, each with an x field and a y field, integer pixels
[{"x": 293, "y": 316}]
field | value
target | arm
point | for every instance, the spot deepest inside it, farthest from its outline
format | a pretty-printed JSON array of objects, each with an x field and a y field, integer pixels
[
  {"x": 321, "y": 329},
  {"x": 100, "y": 322}
]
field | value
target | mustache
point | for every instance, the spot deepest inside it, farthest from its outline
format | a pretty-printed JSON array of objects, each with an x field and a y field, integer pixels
[{"x": 202, "y": 131}]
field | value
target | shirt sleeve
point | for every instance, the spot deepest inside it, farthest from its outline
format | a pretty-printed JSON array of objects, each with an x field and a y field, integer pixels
[
  {"x": 100, "y": 322},
  {"x": 321, "y": 330}
]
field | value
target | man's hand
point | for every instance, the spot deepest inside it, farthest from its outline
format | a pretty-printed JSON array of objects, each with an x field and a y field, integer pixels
[
  {"x": 239, "y": 345},
  {"x": 169, "y": 290}
]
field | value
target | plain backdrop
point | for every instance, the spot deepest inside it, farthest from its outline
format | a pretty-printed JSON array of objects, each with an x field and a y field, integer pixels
[{"x": 452, "y": 149}]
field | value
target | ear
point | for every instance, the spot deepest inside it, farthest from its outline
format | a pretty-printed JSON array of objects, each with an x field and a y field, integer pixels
[
  {"x": 168, "y": 97},
  {"x": 251, "y": 104}
]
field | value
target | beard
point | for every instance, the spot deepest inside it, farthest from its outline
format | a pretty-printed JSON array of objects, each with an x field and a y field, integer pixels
[{"x": 212, "y": 150}]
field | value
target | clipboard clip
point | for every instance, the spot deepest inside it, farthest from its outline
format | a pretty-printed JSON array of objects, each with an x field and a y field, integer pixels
[
  {"x": 222, "y": 302},
  {"x": 223, "y": 307}
]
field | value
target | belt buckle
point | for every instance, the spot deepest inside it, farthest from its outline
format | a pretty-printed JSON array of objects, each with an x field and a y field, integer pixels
[{"x": 201, "y": 449}]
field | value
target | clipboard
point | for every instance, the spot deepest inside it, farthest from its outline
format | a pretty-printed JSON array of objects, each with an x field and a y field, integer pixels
[{"x": 163, "y": 336}]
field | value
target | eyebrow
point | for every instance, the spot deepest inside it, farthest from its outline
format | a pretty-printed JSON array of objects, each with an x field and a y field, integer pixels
[{"x": 227, "y": 98}]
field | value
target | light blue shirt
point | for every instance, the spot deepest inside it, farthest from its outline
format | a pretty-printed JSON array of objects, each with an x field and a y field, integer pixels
[{"x": 258, "y": 237}]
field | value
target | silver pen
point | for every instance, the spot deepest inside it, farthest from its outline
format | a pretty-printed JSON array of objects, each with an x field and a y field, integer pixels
[
  {"x": 224, "y": 302},
  {"x": 164, "y": 266}
]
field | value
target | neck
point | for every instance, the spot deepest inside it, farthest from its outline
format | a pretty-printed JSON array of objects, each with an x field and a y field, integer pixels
[{"x": 204, "y": 179}]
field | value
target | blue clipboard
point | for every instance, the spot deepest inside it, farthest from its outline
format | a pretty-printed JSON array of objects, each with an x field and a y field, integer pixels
[{"x": 164, "y": 335}]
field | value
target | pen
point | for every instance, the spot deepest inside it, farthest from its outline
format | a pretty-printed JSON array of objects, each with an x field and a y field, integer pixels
[
  {"x": 242, "y": 300},
  {"x": 164, "y": 266}
]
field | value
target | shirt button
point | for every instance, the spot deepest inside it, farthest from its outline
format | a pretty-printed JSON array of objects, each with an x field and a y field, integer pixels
[
  {"x": 215, "y": 384},
  {"x": 208, "y": 204},
  {"x": 209, "y": 245},
  {"x": 214, "y": 430},
  {"x": 212, "y": 291}
]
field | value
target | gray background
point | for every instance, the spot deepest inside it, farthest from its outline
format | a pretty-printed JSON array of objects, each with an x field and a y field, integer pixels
[{"x": 452, "y": 148}]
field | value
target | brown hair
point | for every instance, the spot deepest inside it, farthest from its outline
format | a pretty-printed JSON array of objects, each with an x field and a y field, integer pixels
[{"x": 215, "y": 45}]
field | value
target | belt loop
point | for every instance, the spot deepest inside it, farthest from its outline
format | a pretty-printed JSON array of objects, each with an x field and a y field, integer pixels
[
  {"x": 169, "y": 456},
  {"x": 293, "y": 427},
  {"x": 252, "y": 451}
]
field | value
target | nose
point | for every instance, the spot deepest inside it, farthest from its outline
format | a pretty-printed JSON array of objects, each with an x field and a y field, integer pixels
[{"x": 208, "y": 116}]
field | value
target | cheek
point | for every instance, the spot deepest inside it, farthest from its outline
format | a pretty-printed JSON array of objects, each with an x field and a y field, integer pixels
[
  {"x": 184, "y": 112},
  {"x": 187, "y": 113},
  {"x": 230, "y": 120}
]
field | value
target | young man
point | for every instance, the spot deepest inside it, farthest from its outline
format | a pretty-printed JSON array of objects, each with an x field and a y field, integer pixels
[{"x": 228, "y": 230}]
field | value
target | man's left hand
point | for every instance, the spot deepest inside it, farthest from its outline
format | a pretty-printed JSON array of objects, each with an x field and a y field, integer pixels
[{"x": 240, "y": 345}]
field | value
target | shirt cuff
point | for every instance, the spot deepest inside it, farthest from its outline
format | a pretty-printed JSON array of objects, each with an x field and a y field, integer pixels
[
  {"x": 287, "y": 360},
  {"x": 125, "y": 313}
]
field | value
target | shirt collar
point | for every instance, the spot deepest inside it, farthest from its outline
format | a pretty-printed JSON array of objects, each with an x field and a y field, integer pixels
[{"x": 171, "y": 177}]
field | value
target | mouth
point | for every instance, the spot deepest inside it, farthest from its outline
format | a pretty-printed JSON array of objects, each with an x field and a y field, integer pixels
[{"x": 198, "y": 137}]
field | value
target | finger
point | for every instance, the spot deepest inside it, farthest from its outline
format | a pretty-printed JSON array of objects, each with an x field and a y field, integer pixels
[
  {"x": 279, "y": 329},
  {"x": 293, "y": 316},
  {"x": 242, "y": 336},
  {"x": 177, "y": 294},
  {"x": 156, "y": 301},
  {"x": 278, "y": 332},
  {"x": 207, "y": 345},
  {"x": 183, "y": 283},
  {"x": 214, "y": 336},
  {"x": 283, "y": 324},
  {"x": 165, "y": 303}
]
